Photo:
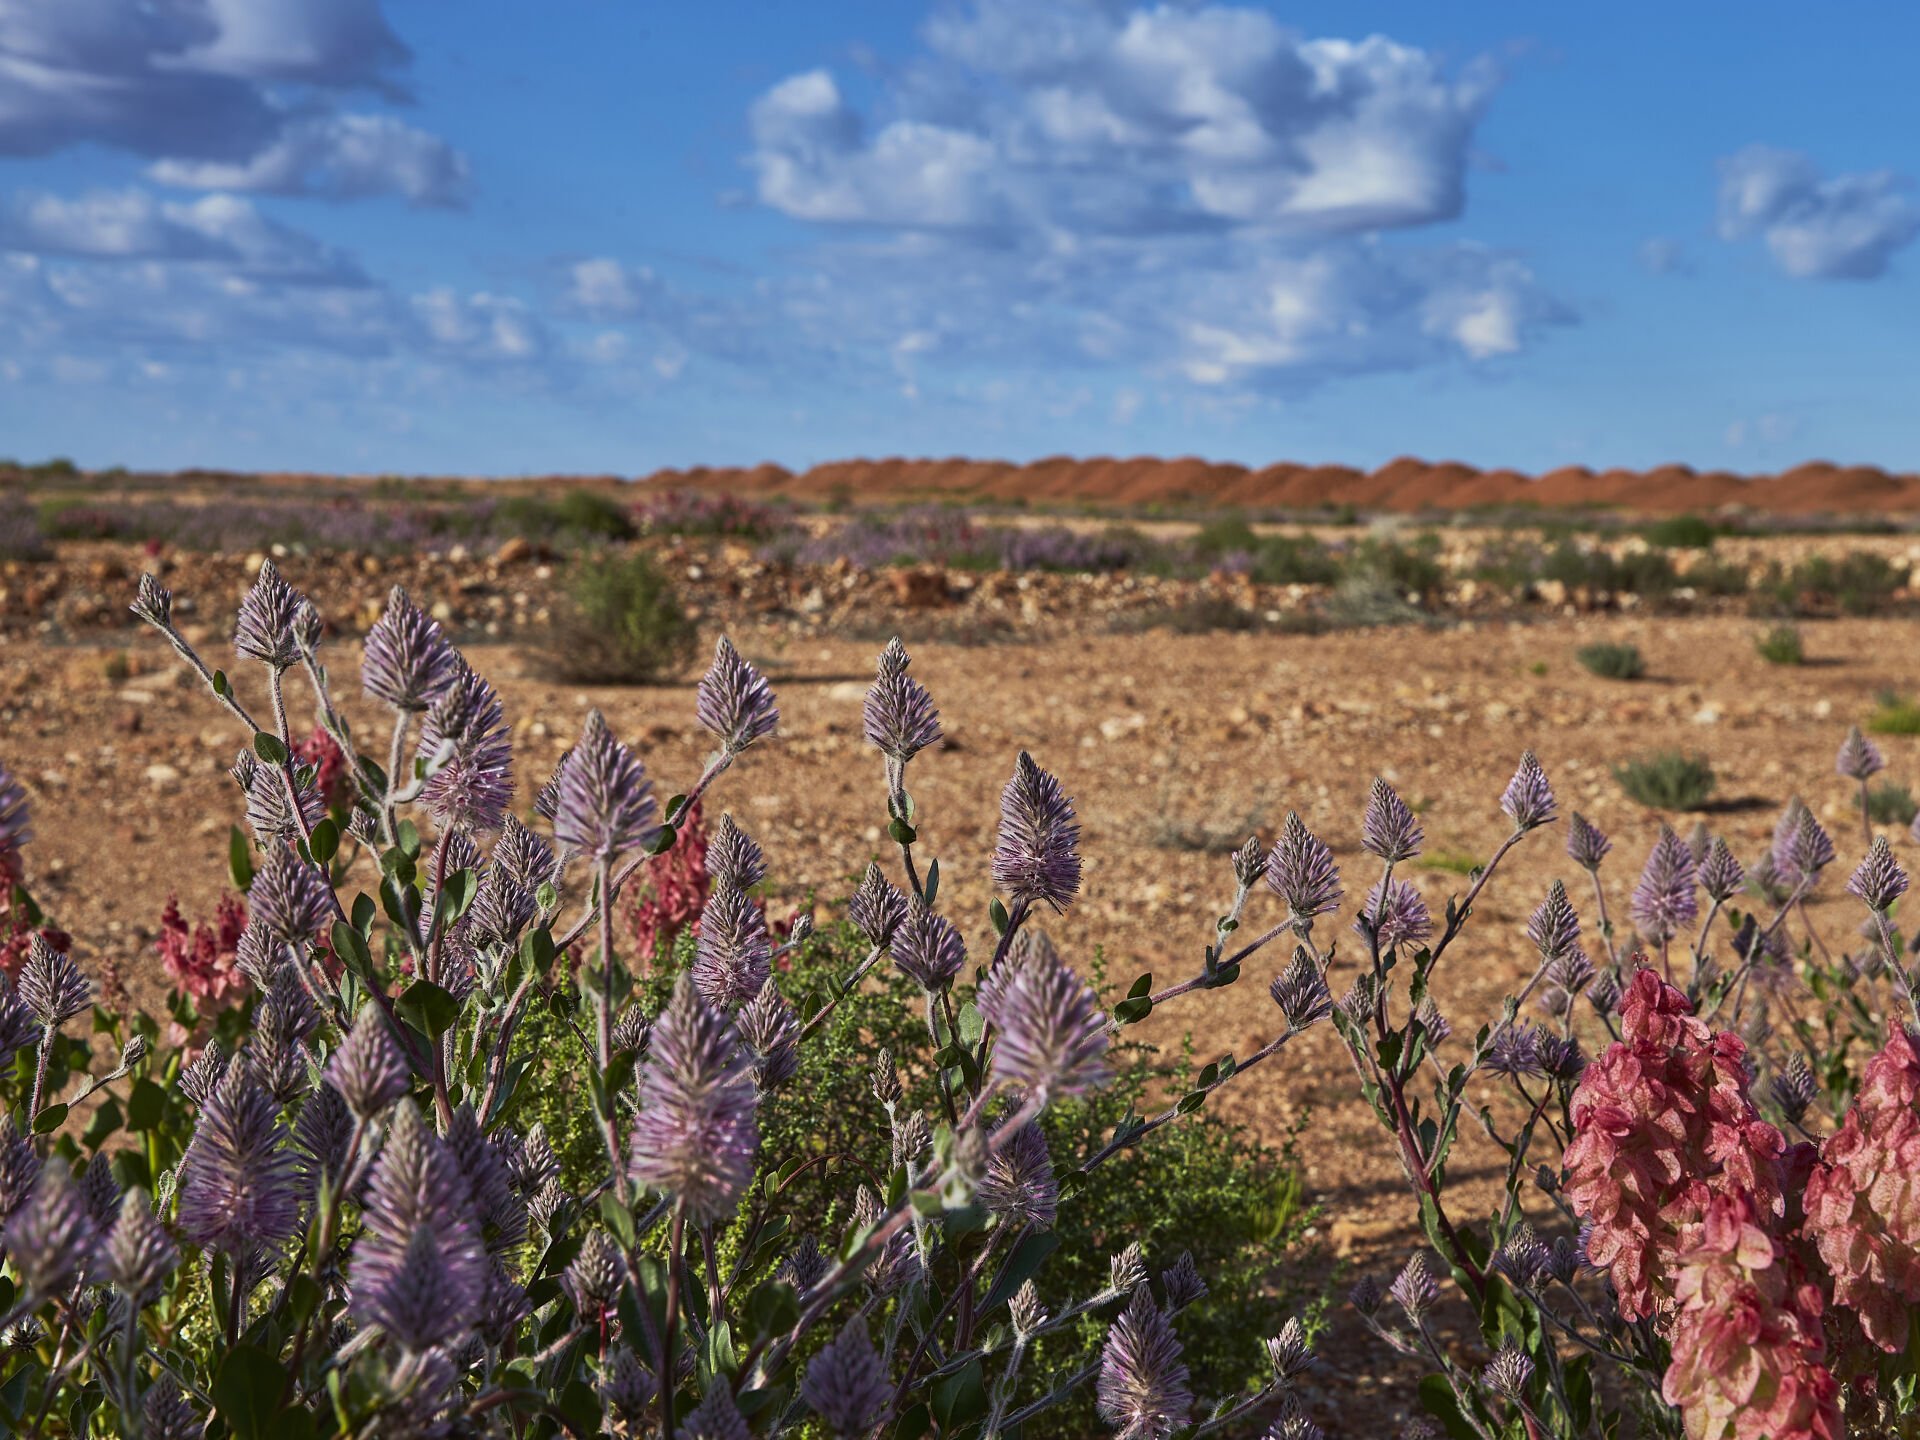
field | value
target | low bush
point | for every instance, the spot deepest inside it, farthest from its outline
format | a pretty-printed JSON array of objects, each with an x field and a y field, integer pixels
[
  {"x": 1668, "y": 780},
  {"x": 695, "y": 512},
  {"x": 574, "y": 516},
  {"x": 1855, "y": 584},
  {"x": 1612, "y": 662},
  {"x": 1681, "y": 532},
  {"x": 21, "y": 535},
  {"x": 620, "y": 623},
  {"x": 1894, "y": 715},
  {"x": 1782, "y": 645},
  {"x": 1891, "y": 804}
]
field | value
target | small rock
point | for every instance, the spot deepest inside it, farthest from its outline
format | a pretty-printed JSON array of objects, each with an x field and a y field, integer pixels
[
  {"x": 513, "y": 551},
  {"x": 162, "y": 774}
]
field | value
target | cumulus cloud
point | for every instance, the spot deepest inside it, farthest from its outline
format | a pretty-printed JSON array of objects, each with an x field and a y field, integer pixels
[
  {"x": 480, "y": 327},
  {"x": 211, "y": 91},
  {"x": 1843, "y": 227}
]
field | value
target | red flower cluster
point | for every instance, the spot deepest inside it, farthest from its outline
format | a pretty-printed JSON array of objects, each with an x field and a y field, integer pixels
[
  {"x": 200, "y": 958},
  {"x": 677, "y": 888},
  {"x": 329, "y": 762},
  {"x": 1663, "y": 1123}
]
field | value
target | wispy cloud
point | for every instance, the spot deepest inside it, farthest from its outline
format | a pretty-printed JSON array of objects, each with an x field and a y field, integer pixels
[{"x": 1843, "y": 227}]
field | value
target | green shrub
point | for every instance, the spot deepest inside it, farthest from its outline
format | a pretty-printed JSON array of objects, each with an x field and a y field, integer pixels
[
  {"x": 1410, "y": 569},
  {"x": 1202, "y": 616},
  {"x": 1782, "y": 645},
  {"x": 575, "y": 515},
  {"x": 1293, "y": 560},
  {"x": 1891, "y": 804},
  {"x": 1613, "y": 662},
  {"x": 1895, "y": 715},
  {"x": 1646, "y": 573},
  {"x": 619, "y": 624},
  {"x": 1667, "y": 780},
  {"x": 1716, "y": 578},
  {"x": 1225, "y": 536},
  {"x": 1681, "y": 532},
  {"x": 1856, "y": 584}
]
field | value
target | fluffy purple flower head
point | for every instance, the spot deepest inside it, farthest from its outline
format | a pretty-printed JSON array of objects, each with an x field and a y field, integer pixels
[
  {"x": 51, "y": 985},
  {"x": 290, "y": 897},
  {"x": 1180, "y": 1282},
  {"x": 846, "y": 1385},
  {"x": 733, "y": 954},
  {"x": 1528, "y": 798},
  {"x": 1720, "y": 874},
  {"x": 605, "y": 803},
  {"x": 1019, "y": 1185},
  {"x": 927, "y": 948},
  {"x": 1515, "y": 1050},
  {"x": 735, "y": 702},
  {"x": 767, "y": 1025},
  {"x": 1399, "y": 912},
  {"x": 268, "y": 815},
  {"x": 1143, "y": 1386},
  {"x": 19, "y": 1168},
  {"x": 368, "y": 1069},
  {"x": 734, "y": 858},
  {"x": 1389, "y": 829},
  {"x": 1301, "y": 871},
  {"x": 153, "y": 603},
  {"x": 627, "y": 1389},
  {"x": 877, "y": 908},
  {"x": 408, "y": 662},
  {"x": 52, "y": 1238},
  {"x": 697, "y": 1132},
  {"x": 1053, "y": 1035},
  {"x": 1794, "y": 1089},
  {"x": 1414, "y": 1289},
  {"x": 139, "y": 1252},
  {"x": 716, "y": 1417},
  {"x": 506, "y": 900},
  {"x": 16, "y": 821},
  {"x": 899, "y": 715},
  {"x": 472, "y": 789},
  {"x": 1555, "y": 926},
  {"x": 1879, "y": 881},
  {"x": 1664, "y": 901},
  {"x": 1037, "y": 858},
  {"x": 1587, "y": 844},
  {"x": 264, "y": 629},
  {"x": 1801, "y": 846},
  {"x": 1508, "y": 1372},
  {"x": 1859, "y": 758},
  {"x": 239, "y": 1180},
  {"x": 166, "y": 1414},
  {"x": 1301, "y": 992},
  {"x": 18, "y": 1026}
]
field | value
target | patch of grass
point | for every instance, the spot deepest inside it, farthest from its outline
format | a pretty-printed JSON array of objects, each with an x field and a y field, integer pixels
[
  {"x": 575, "y": 515},
  {"x": 1782, "y": 645},
  {"x": 1667, "y": 780},
  {"x": 1719, "y": 579},
  {"x": 1204, "y": 616},
  {"x": 1681, "y": 532},
  {"x": 1612, "y": 662},
  {"x": 1453, "y": 862},
  {"x": 621, "y": 624},
  {"x": 1538, "y": 667},
  {"x": 1895, "y": 715},
  {"x": 1891, "y": 804}
]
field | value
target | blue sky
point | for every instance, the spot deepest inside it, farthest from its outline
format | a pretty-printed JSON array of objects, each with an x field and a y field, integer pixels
[{"x": 614, "y": 235}]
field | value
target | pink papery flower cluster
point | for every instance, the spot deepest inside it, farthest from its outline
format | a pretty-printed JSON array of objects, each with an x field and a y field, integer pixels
[
  {"x": 1863, "y": 1197},
  {"x": 200, "y": 958},
  {"x": 677, "y": 888},
  {"x": 1663, "y": 1124},
  {"x": 1749, "y": 1351},
  {"x": 329, "y": 763}
]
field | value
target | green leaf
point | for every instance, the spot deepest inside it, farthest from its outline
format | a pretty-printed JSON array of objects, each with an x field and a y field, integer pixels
[
  {"x": 674, "y": 806},
  {"x": 933, "y": 881},
  {"x": 1190, "y": 1102},
  {"x": 220, "y": 685},
  {"x": 773, "y": 1308},
  {"x": 1222, "y": 977},
  {"x": 239, "y": 858},
  {"x": 428, "y": 1008},
  {"x": 454, "y": 901},
  {"x": 106, "y": 1120},
  {"x": 50, "y": 1119},
  {"x": 1143, "y": 986},
  {"x": 902, "y": 832},
  {"x": 1131, "y": 1012},
  {"x": 351, "y": 948},
  {"x": 619, "y": 1219},
  {"x": 1437, "y": 1396},
  {"x": 408, "y": 834},
  {"x": 376, "y": 778},
  {"x": 326, "y": 840},
  {"x": 913, "y": 1423},
  {"x": 363, "y": 912},
  {"x": 717, "y": 1355},
  {"x": 960, "y": 1398},
  {"x": 997, "y": 913},
  {"x": 269, "y": 748},
  {"x": 146, "y": 1104},
  {"x": 246, "y": 1392},
  {"x": 1025, "y": 1262},
  {"x": 663, "y": 842}
]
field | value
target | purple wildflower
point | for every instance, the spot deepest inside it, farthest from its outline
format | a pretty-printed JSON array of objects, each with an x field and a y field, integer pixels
[
  {"x": 1811, "y": 849},
  {"x": 899, "y": 715},
  {"x": 1026, "y": 1310},
  {"x": 1508, "y": 1372},
  {"x": 499, "y": 1211},
  {"x": 474, "y": 785},
  {"x": 1859, "y": 758},
  {"x": 1514, "y": 1050},
  {"x": 927, "y": 948},
  {"x": 733, "y": 858},
  {"x": 877, "y": 908},
  {"x": 417, "y": 1270},
  {"x": 308, "y": 628},
  {"x": 769, "y": 1029},
  {"x": 845, "y": 1383},
  {"x": 19, "y": 1168},
  {"x": 1396, "y": 908},
  {"x": 166, "y": 1414},
  {"x": 716, "y": 1417},
  {"x": 1365, "y": 1295},
  {"x": 1143, "y": 1386},
  {"x": 1879, "y": 881},
  {"x": 1301, "y": 992},
  {"x": 507, "y": 898},
  {"x": 1528, "y": 798},
  {"x": 594, "y": 1278},
  {"x": 1587, "y": 844},
  {"x": 1019, "y": 1185},
  {"x": 269, "y": 815},
  {"x": 1289, "y": 1353},
  {"x": 1524, "y": 1258},
  {"x": 1053, "y": 1035},
  {"x": 19, "y": 1028},
  {"x": 1414, "y": 1289},
  {"x": 1249, "y": 863},
  {"x": 1127, "y": 1269},
  {"x": 52, "y": 1237},
  {"x": 697, "y": 1134},
  {"x": 1301, "y": 871},
  {"x": 547, "y": 803},
  {"x": 368, "y": 1069},
  {"x": 1389, "y": 828},
  {"x": 139, "y": 1252},
  {"x": 1664, "y": 901},
  {"x": 52, "y": 985},
  {"x": 1038, "y": 854},
  {"x": 734, "y": 701},
  {"x": 202, "y": 1073},
  {"x": 627, "y": 1389},
  {"x": 16, "y": 821},
  {"x": 153, "y": 603},
  {"x": 100, "y": 1190},
  {"x": 1794, "y": 1089},
  {"x": 605, "y": 804},
  {"x": 264, "y": 630},
  {"x": 407, "y": 661},
  {"x": 290, "y": 897},
  {"x": 1555, "y": 926},
  {"x": 239, "y": 1180},
  {"x": 733, "y": 954},
  {"x": 322, "y": 1134},
  {"x": 1720, "y": 874}
]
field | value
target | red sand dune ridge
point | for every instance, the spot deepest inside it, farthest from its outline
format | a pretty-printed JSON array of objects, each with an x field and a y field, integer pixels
[{"x": 1403, "y": 484}]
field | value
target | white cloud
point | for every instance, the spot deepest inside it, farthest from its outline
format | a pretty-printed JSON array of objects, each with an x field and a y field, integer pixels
[
  {"x": 1663, "y": 255},
  {"x": 339, "y": 156},
  {"x": 1846, "y": 227},
  {"x": 480, "y": 327}
]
